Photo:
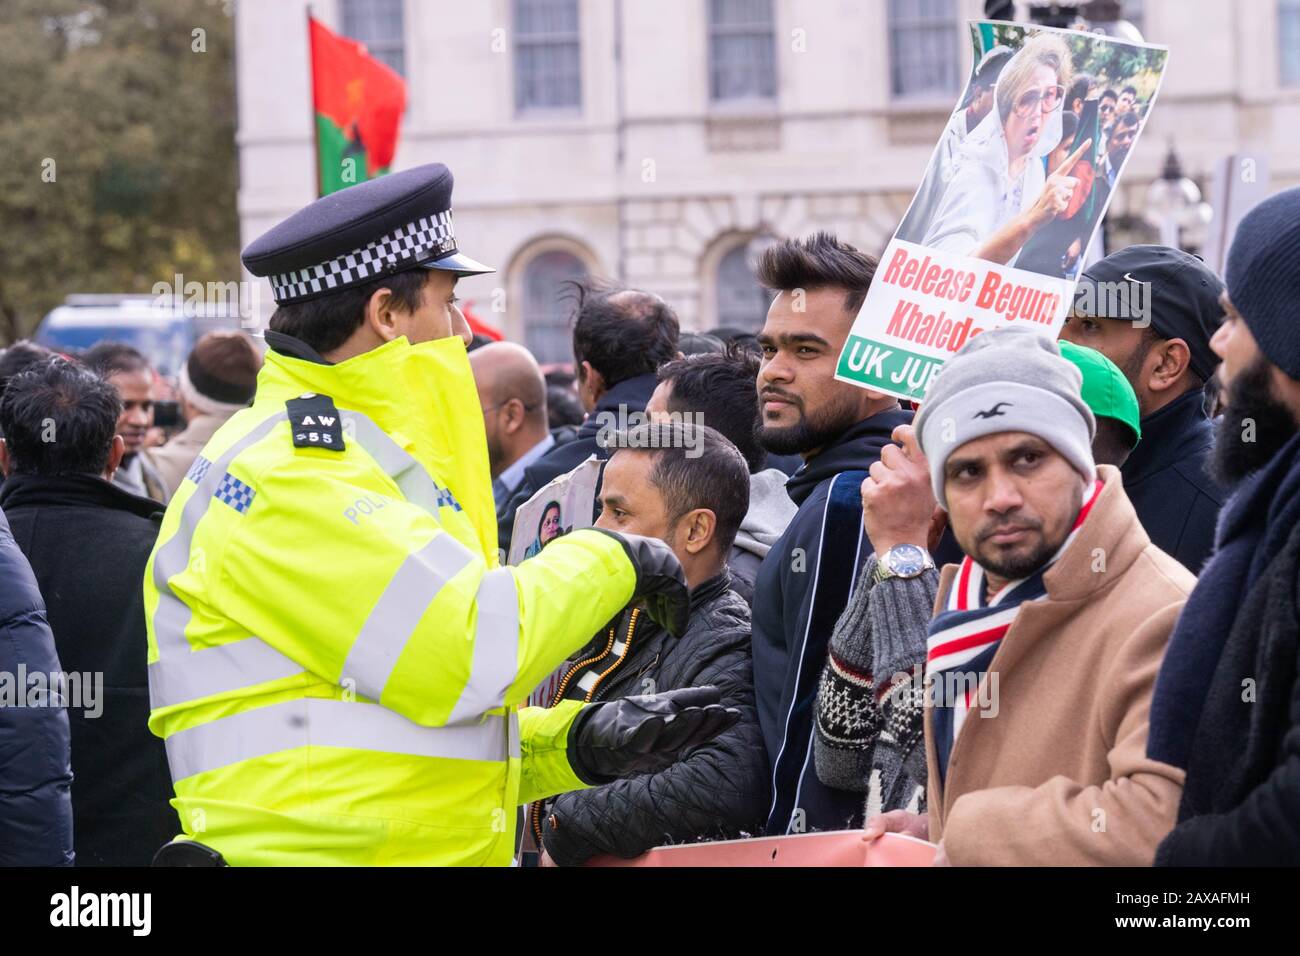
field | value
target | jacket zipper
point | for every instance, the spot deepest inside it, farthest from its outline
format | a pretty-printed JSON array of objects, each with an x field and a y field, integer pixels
[
  {"x": 536, "y": 814},
  {"x": 627, "y": 649},
  {"x": 564, "y": 683}
]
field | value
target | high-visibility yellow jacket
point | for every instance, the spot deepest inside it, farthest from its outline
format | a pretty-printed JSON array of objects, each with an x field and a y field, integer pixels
[{"x": 336, "y": 660}]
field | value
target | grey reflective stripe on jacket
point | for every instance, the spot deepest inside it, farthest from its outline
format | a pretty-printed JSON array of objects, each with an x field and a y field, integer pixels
[
  {"x": 496, "y": 647},
  {"x": 317, "y": 722},
  {"x": 182, "y": 675},
  {"x": 496, "y": 634},
  {"x": 395, "y": 616}
]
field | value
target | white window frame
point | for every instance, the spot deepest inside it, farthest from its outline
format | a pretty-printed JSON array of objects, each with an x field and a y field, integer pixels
[
  {"x": 757, "y": 29},
  {"x": 1288, "y": 10},
  {"x": 915, "y": 22},
  {"x": 381, "y": 48},
  {"x": 537, "y": 40}
]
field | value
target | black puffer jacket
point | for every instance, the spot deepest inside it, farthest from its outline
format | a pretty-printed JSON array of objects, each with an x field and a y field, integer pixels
[{"x": 720, "y": 790}]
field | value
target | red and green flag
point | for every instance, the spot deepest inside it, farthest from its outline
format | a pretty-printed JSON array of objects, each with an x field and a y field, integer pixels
[{"x": 359, "y": 103}]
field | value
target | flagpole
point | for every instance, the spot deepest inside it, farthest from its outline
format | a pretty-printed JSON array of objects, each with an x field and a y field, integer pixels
[{"x": 315, "y": 126}]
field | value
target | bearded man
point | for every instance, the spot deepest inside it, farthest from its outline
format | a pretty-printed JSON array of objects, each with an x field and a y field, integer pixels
[{"x": 805, "y": 579}]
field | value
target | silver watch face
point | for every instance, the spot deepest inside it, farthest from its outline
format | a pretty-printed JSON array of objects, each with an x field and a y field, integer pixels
[{"x": 905, "y": 560}]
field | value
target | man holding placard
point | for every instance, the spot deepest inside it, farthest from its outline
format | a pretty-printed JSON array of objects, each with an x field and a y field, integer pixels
[{"x": 805, "y": 580}]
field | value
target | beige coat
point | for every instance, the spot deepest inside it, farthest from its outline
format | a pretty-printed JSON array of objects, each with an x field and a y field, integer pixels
[
  {"x": 173, "y": 459},
  {"x": 1060, "y": 775}
]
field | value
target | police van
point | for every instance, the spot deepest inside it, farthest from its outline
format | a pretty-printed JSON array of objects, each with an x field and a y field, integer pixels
[{"x": 163, "y": 329}]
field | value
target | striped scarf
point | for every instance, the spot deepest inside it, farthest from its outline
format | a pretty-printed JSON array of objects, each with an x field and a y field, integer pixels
[{"x": 966, "y": 634}]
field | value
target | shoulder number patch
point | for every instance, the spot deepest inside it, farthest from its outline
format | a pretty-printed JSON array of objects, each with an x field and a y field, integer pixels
[{"x": 315, "y": 422}]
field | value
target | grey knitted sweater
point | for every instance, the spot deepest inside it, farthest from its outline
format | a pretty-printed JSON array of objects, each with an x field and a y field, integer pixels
[{"x": 869, "y": 733}]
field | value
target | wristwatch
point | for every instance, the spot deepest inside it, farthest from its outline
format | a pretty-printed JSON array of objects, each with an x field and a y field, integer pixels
[{"x": 902, "y": 561}]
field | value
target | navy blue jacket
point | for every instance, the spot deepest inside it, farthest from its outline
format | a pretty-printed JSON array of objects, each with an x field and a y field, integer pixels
[
  {"x": 35, "y": 758},
  {"x": 1226, "y": 705},
  {"x": 803, "y": 586},
  {"x": 1176, "y": 501},
  {"x": 631, "y": 393}
]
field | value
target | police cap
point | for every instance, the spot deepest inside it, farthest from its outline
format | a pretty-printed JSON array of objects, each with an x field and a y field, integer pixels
[{"x": 391, "y": 224}]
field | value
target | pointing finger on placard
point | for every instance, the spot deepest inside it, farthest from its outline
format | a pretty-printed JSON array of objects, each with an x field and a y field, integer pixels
[{"x": 1073, "y": 158}]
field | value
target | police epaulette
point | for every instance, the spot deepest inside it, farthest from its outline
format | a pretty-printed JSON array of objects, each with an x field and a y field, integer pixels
[{"x": 315, "y": 422}]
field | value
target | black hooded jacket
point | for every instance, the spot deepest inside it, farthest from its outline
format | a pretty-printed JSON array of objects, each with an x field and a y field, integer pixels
[
  {"x": 719, "y": 790},
  {"x": 802, "y": 588},
  {"x": 1165, "y": 478}
]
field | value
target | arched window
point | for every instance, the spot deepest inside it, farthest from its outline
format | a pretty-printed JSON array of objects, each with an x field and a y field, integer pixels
[
  {"x": 546, "y": 307},
  {"x": 742, "y": 302}
]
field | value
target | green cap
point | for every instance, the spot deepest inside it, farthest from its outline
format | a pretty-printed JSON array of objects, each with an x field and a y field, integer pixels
[{"x": 1105, "y": 389}]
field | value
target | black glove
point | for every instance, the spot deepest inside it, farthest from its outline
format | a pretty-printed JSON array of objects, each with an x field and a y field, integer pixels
[
  {"x": 645, "y": 734},
  {"x": 660, "y": 582}
]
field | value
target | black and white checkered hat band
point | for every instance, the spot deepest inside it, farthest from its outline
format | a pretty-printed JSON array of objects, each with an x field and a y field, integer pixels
[{"x": 428, "y": 238}]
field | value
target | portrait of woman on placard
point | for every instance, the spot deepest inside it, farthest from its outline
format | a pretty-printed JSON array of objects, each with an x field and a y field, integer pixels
[
  {"x": 548, "y": 529},
  {"x": 1000, "y": 193}
]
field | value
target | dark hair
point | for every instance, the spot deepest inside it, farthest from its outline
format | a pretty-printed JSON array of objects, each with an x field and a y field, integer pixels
[
  {"x": 563, "y": 407},
  {"x": 545, "y": 511},
  {"x": 1126, "y": 119},
  {"x": 325, "y": 323},
  {"x": 1079, "y": 88},
  {"x": 820, "y": 261},
  {"x": 625, "y": 338},
  {"x": 745, "y": 338},
  {"x": 1113, "y": 441},
  {"x": 19, "y": 357},
  {"x": 721, "y": 387},
  {"x": 698, "y": 343},
  {"x": 1130, "y": 89},
  {"x": 1108, "y": 92},
  {"x": 717, "y": 479},
  {"x": 107, "y": 359},
  {"x": 59, "y": 418},
  {"x": 988, "y": 68},
  {"x": 1069, "y": 126}
]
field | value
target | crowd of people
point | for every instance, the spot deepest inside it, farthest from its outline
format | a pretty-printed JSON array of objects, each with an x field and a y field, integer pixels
[{"x": 1049, "y": 617}]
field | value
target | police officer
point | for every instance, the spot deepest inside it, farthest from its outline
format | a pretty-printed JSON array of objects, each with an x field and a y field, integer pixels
[{"x": 336, "y": 660}]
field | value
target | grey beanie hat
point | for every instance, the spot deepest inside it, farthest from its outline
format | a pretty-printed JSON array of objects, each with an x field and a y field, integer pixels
[{"x": 1011, "y": 379}]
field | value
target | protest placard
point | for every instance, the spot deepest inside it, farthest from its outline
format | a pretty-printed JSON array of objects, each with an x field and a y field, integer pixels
[
  {"x": 1011, "y": 199},
  {"x": 841, "y": 848},
  {"x": 560, "y": 506}
]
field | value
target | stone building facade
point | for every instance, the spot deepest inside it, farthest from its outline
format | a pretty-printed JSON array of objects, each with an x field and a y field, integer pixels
[{"x": 662, "y": 143}]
